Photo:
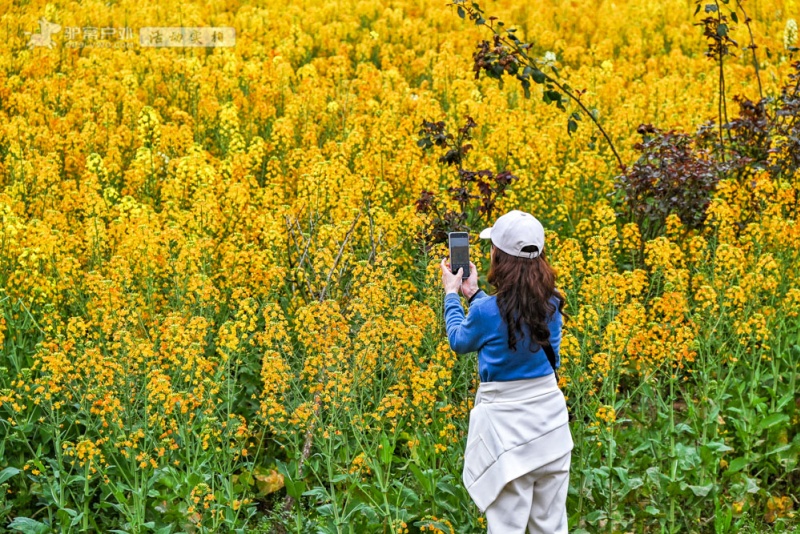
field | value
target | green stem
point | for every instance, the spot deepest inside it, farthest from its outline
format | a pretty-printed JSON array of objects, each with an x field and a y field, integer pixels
[
  {"x": 85, "y": 522},
  {"x": 674, "y": 459}
]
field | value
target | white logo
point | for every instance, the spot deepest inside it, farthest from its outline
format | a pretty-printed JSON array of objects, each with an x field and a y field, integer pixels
[{"x": 43, "y": 38}]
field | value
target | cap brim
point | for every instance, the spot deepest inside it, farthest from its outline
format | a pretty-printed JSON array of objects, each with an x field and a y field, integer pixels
[{"x": 486, "y": 233}]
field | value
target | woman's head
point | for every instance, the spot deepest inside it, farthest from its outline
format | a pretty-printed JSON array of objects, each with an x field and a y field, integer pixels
[{"x": 524, "y": 280}]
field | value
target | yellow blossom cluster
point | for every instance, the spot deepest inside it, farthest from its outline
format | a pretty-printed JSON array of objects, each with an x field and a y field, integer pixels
[{"x": 215, "y": 254}]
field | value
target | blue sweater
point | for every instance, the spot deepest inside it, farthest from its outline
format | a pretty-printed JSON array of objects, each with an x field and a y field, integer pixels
[{"x": 484, "y": 331}]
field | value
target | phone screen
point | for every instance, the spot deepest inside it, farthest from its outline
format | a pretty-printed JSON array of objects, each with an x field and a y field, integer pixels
[
  {"x": 459, "y": 253},
  {"x": 459, "y": 248}
]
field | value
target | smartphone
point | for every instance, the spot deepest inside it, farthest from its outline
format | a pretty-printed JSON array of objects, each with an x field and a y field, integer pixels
[{"x": 459, "y": 252}]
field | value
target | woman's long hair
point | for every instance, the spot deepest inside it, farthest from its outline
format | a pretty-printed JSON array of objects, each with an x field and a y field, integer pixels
[{"x": 524, "y": 289}]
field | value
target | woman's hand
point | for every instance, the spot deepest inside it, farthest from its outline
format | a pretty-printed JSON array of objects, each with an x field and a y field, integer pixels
[
  {"x": 470, "y": 286},
  {"x": 450, "y": 281}
]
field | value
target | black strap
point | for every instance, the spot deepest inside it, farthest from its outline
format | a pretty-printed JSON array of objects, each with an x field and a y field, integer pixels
[
  {"x": 473, "y": 296},
  {"x": 551, "y": 356}
]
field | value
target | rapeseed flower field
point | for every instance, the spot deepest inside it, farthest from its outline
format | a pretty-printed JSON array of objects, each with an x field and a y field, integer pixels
[{"x": 219, "y": 313}]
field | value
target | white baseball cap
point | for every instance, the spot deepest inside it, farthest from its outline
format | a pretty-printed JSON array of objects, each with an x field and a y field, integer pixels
[{"x": 514, "y": 231}]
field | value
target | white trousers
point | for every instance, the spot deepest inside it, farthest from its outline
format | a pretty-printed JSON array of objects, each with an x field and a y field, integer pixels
[{"x": 536, "y": 501}]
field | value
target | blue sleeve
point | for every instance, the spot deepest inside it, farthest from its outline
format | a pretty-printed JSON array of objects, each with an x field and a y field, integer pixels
[
  {"x": 555, "y": 324},
  {"x": 464, "y": 332}
]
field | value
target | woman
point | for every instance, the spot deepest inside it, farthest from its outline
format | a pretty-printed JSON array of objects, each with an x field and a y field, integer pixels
[{"x": 519, "y": 446}]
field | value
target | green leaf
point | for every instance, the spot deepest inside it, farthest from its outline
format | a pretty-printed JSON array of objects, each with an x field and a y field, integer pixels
[
  {"x": 718, "y": 446},
  {"x": 772, "y": 420},
  {"x": 551, "y": 96},
  {"x": 779, "y": 449},
  {"x": 572, "y": 126},
  {"x": 386, "y": 451},
  {"x": 339, "y": 478},
  {"x": 461, "y": 12},
  {"x": 785, "y": 400},
  {"x": 526, "y": 88},
  {"x": 538, "y": 76},
  {"x": 750, "y": 485},
  {"x": 737, "y": 465},
  {"x": 722, "y": 30},
  {"x": 444, "y": 487},
  {"x": 688, "y": 457},
  {"x": 28, "y": 526},
  {"x": 596, "y": 516},
  {"x": 655, "y": 476},
  {"x": 734, "y": 17},
  {"x": 701, "y": 491},
  {"x": 317, "y": 491},
  {"x": 422, "y": 477},
  {"x": 7, "y": 473},
  {"x": 76, "y": 519},
  {"x": 642, "y": 447},
  {"x": 325, "y": 510}
]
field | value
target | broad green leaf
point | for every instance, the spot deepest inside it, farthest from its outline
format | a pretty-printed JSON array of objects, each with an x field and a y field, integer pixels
[
  {"x": 422, "y": 478},
  {"x": 772, "y": 420},
  {"x": 76, "y": 519},
  {"x": 717, "y": 446},
  {"x": 701, "y": 491},
  {"x": 7, "y": 473},
  {"x": 28, "y": 526},
  {"x": 596, "y": 516},
  {"x": 737, "y": 465},
  {"x": 751, "y": 485},
  {"x": 572, "y": 126}
]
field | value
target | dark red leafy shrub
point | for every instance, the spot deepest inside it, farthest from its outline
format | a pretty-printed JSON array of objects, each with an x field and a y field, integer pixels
[
  {"x": 671, "y": 176},
  {"x": 484, "y": 185}
]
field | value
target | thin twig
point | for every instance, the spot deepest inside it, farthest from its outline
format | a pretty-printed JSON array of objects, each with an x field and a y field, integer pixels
[
  {"x": 339, "y": 256},
  {"x": 303, "y": 257},
  {"x": 373, "y": 251},
  {"x": 752, "y": 47},
  {"x": 564, "y": 90},
  {"x": 308, "y": 442}
]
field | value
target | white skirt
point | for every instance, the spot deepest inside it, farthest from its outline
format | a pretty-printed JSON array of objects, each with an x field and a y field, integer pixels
[{"x": 514, "y": 428}]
